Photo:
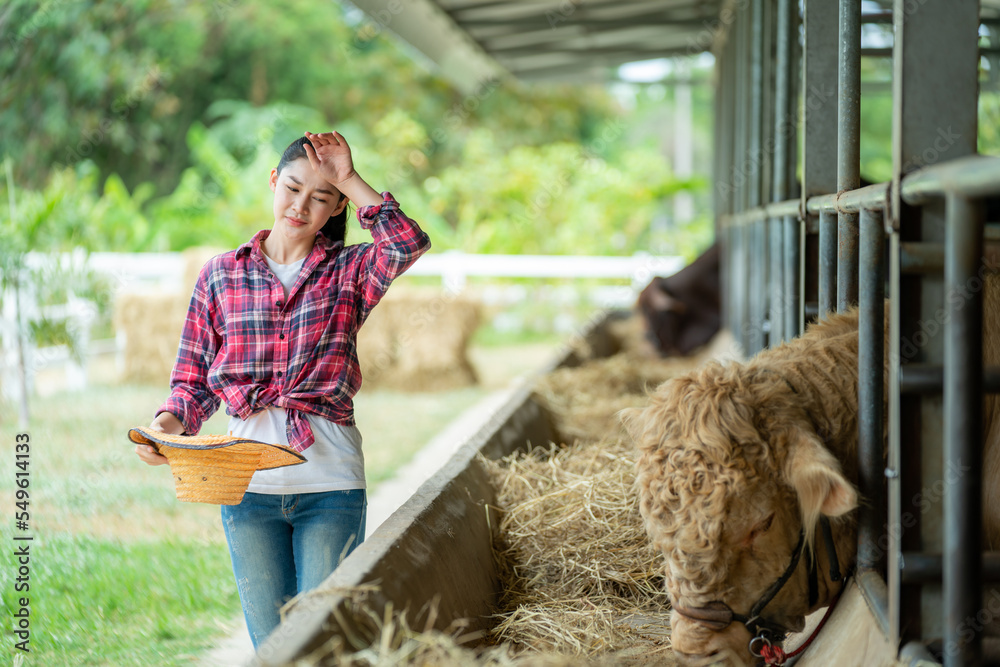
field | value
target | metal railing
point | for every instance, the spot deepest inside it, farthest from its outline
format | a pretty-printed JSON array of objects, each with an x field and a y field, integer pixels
[{"x": 822, "y": 244}]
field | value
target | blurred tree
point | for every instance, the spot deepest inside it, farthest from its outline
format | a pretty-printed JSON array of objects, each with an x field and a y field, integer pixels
[
  {"x": 172, "y": 112},
  {"x": 120, "y": 83}
]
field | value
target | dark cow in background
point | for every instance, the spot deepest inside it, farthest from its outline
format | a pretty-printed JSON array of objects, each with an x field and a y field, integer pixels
[{"x": 682, "y": 312}]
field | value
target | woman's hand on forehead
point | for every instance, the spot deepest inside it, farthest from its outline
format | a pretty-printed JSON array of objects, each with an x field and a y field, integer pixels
[{"x": 330, "y": 156}]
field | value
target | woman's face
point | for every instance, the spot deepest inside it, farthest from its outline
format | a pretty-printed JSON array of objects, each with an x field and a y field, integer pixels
[{"x": 303, "y": 201}]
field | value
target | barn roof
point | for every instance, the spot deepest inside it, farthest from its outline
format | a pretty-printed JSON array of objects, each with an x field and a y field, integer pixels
[
  {"x": 546, "y": 40},
  {"x": 472, "y": 41}
]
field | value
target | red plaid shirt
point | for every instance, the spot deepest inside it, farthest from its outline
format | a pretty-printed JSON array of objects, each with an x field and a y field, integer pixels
[{"x": 245, "y": 343}]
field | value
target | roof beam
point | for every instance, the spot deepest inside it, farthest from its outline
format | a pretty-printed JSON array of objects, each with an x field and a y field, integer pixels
[
  {"x": 429, "y": 29},
  {"x": 542, "y": 23},
  {"x": 528, "y": 72}
]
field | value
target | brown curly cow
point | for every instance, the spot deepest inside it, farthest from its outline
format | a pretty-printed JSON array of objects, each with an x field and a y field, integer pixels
[{"x": 739, "y": 462}]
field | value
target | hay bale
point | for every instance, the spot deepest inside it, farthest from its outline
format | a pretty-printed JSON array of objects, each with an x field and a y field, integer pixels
[
  {"x": 585, "y": 399},
  {"x": 150, "y": 323},
  {"x": 194, "y": 260},
  {"x": 417, "y": 340}
]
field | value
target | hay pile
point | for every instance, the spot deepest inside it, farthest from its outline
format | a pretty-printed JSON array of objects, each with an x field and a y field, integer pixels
[
  {"x": 580, "y": 575},
  {"x": 150, "y": 323},
  {"x": 581, "y": 583},
  {"x": 418, "y": 340},
  {"x": 584, "y": 400}
]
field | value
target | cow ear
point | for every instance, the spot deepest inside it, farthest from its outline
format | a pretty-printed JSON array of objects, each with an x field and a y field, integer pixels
[
  {"x": 818, "y": 480},
  {"x": 660, "y": 301}
]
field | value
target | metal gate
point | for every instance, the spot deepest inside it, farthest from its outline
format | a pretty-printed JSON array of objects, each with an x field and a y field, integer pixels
[{"x": 797, "y": 247}]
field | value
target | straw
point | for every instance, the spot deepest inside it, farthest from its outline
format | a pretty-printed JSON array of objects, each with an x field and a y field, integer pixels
[
  {"x": 579, "y": 575},
  {"x": 580, "y": 582}
]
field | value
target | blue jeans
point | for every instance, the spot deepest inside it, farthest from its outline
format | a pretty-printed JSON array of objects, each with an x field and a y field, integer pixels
[{"x": 282, "y": 545}]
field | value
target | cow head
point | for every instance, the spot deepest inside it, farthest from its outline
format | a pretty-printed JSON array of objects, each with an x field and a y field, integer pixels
[
  {"x": 731, "y": 475},
  {"x": 663, "y": 315}
]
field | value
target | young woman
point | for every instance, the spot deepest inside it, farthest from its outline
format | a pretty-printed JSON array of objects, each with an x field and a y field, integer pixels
[{"x": 272, "y": 330}]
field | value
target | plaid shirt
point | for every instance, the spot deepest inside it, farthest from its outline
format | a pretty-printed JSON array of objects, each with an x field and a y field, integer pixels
[{"x": 245, "y": 343}]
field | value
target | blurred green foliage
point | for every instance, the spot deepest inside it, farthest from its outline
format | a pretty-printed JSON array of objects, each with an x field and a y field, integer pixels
[{"x": 155, "y": 123}]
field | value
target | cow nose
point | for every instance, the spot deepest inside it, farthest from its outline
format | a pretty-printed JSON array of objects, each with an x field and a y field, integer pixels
[{"x": 696, "y": 645}]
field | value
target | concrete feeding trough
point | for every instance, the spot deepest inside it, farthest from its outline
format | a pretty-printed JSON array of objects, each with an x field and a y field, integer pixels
[
  {"x": 436, "y": 550},
  {"x": 437, "y": 547}
]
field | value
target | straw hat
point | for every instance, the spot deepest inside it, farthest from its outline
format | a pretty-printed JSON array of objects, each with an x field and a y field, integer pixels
[{"x": 214, "y": 468}]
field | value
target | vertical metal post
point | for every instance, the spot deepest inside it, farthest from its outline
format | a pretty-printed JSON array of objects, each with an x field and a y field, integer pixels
[
  {"x": 871, "y": 365},
  {"x": 756, "y": 261},
  {"x": 719, "y": 193},
  {"x": 726, "y": 181},
  {"x": 848, "y": 148},
  {"x": 793, "y": 276},
  {"x": 819, "y": 113},
  {"x": 776, "y": 247},
  {"x": 740, "y": 281},
  {"x": 792, "y": 237},
  {"x": 779, "y": 183},
  {"x": 934, "y": 120},
  {"x": 963, "y": 424},
  {"x": 767, "y": 106},
  {"x": 894, "y": 463},
  {"x": 827, "y": 263}
]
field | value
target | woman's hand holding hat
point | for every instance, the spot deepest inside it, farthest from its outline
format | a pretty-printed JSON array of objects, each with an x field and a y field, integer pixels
[{"x": 165, "y": 422}]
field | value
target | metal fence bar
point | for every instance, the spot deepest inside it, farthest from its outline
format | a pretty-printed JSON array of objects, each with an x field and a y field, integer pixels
[
  {"x": 870, "y": 196},
  {"x": 793, "y": 276},
  {"x": 970, "y": 176},
  {"x": 783, "y": 126},
  {"x": 776, "y": 280},
  {"x": 922, "y": 567},
  {"x": 720, "y": 167},
  {"x": 871, "y": 364},
  {"x": 724, "y": 181},
  {"x": 848, "y": 148},
  {"x": 963, "y": 424},
  {"x": 756, "y": 261},
  {"x": 894, "y": 459},
  {"x": 819, "y": 114},
  {"x": 929, "y": 127},
  {"x": 793, "y": 270},
  {"x": 739, "y": 284},
  {"x": 921, "y": 257},
  {"x": 827, "y": 262}
]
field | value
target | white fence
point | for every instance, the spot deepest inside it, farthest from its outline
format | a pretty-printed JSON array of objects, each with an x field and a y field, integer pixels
[{"x": 164, "y": 272}]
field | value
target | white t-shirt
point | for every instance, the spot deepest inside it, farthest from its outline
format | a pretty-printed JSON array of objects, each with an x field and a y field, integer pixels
[{"x": 334, "y": 462}]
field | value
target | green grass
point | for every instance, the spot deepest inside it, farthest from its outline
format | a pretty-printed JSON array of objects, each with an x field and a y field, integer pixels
[
  {"x": 121, "y": 573},
  {"x": 118, "y": 602},
  {"x": 395, "y": 425},
  {"x": 487, "y": 336}
]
